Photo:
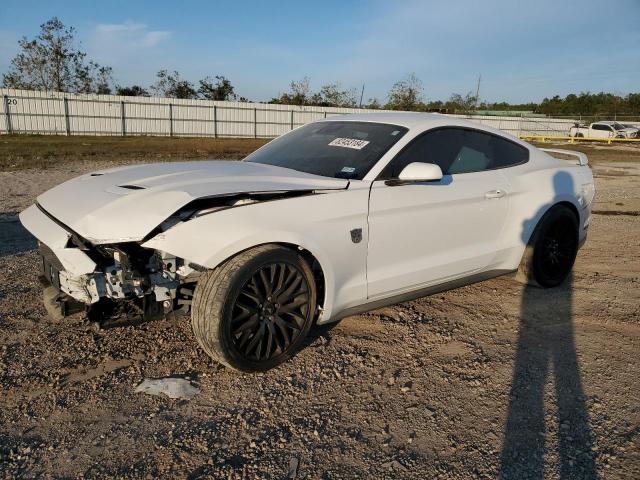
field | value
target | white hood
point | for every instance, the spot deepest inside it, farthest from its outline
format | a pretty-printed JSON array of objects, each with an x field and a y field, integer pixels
[{"x": 125, "y": 204}]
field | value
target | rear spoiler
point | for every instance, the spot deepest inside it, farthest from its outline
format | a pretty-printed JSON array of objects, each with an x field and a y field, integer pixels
[{"x": 582, "y": 158}]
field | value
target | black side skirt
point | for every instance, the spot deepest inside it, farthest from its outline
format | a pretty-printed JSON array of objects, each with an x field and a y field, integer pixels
[{"x": 423, "y": 292}]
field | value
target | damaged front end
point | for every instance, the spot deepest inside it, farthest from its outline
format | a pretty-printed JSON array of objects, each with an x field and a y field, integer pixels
[
  {"x": 111, "y": 280},
  {"x": 128, "y": 281},
  {"x": 125, "y": 279}
]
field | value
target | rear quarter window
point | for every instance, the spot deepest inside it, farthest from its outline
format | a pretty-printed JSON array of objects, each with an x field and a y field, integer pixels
[{"x": 507, "y": 153}]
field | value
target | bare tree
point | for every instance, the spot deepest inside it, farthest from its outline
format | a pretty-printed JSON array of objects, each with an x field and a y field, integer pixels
[
  {"x": 332, "y": 95},
  {"x": 406, "y": 94},
  {"x": 173, "y": 85},
  {"x": 464, "y": 104},
  {"x": 132, "y": 91},
  {"x": 298, "y": 94},
  {"x": 97, "y": 79},
  {"x": 217, "y": 88},
  {"x": 52, "y": 61},
  {"x": 374, "y": 104}
]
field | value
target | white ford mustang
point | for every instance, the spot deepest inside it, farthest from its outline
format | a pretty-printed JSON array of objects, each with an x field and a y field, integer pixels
[{"x": 334, "y": 218}]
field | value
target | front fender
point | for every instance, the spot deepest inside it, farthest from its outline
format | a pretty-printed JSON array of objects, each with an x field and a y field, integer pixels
[{"x": 319, "y": 223}]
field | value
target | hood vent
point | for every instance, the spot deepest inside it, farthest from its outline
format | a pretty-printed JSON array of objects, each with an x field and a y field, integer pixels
[{"x": 132, "y": 187}]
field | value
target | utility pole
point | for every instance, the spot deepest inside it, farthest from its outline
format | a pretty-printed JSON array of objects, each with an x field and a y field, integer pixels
[
  {"x": 361, "y": 95},
  {"x": 478, "y": 90}
]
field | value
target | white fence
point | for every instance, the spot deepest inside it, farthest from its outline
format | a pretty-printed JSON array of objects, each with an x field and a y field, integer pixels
[{"x": 55, "y": 113}]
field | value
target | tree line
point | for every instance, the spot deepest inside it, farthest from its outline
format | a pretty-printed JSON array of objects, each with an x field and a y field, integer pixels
[{"x": 53, "y": 60}]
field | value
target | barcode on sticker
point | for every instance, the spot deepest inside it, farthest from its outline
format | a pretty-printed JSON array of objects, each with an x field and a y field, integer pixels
[{"x": 349, "y": 143}]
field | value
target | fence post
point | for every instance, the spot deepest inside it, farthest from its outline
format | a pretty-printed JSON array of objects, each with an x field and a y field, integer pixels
[
  {"x": 292, "y": 119},
  {"x": 7, "y": 114},
  {"x": 171, "y": 120},
  {"x": 255, "y": 123},
  {"x": 520, "y": 126},
  {"x": 325, "y": 114},
  {"x": 123, "y": 119},
  {"x": 215, "y": 122},
  {"x": 67, "y": 125}
]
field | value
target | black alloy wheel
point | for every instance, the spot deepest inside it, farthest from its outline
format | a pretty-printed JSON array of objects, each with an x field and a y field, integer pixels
[
  {"x": 270, "y": 311},
  {"x": 253, "y": 312},
  {"x": 556, "y": 251},
  {"x": 555, "y": 246}
]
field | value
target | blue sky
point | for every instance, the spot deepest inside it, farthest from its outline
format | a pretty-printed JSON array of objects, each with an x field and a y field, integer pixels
[{"x": 525, "y": 50}]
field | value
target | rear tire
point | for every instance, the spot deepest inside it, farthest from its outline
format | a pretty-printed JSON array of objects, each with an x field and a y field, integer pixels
[
  {"x": 552, "y": 249},
  {"x": 252, "y": 312}
]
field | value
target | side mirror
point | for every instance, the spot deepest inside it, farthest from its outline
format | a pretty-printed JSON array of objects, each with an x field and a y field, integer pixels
[{"x": 420, "y": 172}]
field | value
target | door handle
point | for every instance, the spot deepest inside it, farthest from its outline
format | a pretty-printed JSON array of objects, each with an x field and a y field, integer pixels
[{"x": 494, "y": 194}]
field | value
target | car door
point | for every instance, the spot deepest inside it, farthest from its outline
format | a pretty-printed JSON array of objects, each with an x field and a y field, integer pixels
[
  {"x": 431, "y": 232},
  {"x": 600, "y": 130}
]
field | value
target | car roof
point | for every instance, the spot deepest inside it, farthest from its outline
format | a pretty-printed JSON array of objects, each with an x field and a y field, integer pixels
[
  {"x": 403, "y": 119},
  {"x": 419, "y": 121}
]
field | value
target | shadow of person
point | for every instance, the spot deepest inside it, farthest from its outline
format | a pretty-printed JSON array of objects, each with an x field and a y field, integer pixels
[
  {"x": 14, "y": 238},
  {"x": 546, "y": 343}
]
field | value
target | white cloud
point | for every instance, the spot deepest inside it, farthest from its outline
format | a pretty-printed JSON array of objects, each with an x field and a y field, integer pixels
[
  {"x": 135, "y": 50},
  {"x": 131, "y": 33}
]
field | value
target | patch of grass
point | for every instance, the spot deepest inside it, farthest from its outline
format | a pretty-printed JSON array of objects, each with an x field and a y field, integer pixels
[{"x": 41, "y": 151}]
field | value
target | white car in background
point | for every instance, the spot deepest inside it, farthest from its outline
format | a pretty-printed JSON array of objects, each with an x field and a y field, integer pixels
[
  {"x": 604, "y": 129},
  {"x": 336, "y": 217}
]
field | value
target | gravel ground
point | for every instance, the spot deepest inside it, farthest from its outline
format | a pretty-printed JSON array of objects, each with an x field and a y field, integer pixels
[{"x": 491, "y": 380}]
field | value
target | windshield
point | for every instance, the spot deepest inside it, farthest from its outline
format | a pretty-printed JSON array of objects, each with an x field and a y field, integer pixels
[{"x": 331, "y": 149}]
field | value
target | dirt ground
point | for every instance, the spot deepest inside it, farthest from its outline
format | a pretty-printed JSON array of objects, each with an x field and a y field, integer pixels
[{"x": 491, "y": 380}]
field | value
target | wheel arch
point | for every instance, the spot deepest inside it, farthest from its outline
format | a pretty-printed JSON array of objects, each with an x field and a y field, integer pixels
[
  {"x": 316, "y": 268},
  {"x": 570, "y": 206},
  {"x": 526, "y": 272},
  {"x": 320, "y": 269},
  {"x": 543, "y": 212}
]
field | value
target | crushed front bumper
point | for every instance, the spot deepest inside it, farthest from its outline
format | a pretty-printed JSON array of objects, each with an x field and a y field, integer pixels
[
  {"x": 89, "y": 274},
  {"x": 66, "y": 267},
  {"x": 85, "y": 288}
]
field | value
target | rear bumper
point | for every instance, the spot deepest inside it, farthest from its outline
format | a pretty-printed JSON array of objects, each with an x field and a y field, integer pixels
[
  {"x": 582, "y": 241},
  {"x": 586, "y": 223}
]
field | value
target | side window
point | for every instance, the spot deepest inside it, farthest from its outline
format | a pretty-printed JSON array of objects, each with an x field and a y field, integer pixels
[
  {"x": 439, "y": 147},
  {"x": 474, "y": 154},
  {"x": 507, "y": 154},
  {"x": 606, "y": 128},
  {"x": 458, "y": 150}
]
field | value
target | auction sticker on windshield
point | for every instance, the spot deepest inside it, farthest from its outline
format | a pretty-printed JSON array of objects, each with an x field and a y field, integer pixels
[{"x": 349, "y": 143}]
